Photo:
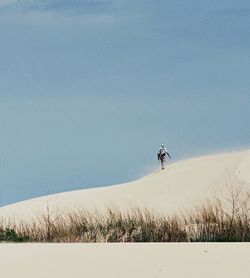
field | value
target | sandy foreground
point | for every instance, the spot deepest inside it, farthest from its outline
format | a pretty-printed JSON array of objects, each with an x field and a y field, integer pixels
[
  {"x": 125, "y": 260},
  {"x": 180, "y": 186}
]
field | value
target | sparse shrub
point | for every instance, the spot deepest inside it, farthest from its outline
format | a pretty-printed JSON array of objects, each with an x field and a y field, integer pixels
[{"x": 10, "y": 235}]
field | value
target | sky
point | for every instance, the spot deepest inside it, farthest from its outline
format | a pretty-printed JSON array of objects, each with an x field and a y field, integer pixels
[{"x": 90, "y": 89}]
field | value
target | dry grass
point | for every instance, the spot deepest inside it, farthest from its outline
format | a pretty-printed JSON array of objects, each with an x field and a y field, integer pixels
[{"x": 226, "y": 219}]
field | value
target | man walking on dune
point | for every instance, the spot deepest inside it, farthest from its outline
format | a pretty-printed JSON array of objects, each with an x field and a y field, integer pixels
[{"x": 162, "y": 156}]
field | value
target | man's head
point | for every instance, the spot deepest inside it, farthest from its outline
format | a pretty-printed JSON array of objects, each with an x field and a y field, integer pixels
[{"x": 162, "y": 145}]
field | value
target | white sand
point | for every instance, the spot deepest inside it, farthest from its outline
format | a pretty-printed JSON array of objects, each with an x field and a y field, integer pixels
[
  {"x": 125, "y": 260},
  {"x": 179, "y": 186}
]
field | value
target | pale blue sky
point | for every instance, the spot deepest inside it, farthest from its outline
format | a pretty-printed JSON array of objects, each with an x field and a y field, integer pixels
[{"x": 90, "y": 89}]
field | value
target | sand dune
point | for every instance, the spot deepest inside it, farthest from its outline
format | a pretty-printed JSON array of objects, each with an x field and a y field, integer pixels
[{"x": 179, "y": 186}]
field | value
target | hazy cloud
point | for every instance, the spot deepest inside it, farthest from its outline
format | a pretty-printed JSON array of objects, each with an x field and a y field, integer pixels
[{"x": 77, "y": 6}]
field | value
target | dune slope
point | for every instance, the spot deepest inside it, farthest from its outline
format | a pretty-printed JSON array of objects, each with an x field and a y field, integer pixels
[{"x": 180, "y": 186}]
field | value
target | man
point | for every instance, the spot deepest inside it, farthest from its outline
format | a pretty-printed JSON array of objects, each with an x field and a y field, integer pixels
[{"x": 162, "y": 155}]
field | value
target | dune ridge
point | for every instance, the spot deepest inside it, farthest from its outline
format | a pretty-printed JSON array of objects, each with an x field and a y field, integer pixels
[{"x": 180, "y": 186}]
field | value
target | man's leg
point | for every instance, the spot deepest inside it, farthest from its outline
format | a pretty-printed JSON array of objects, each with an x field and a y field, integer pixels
[{"x": 162, "y": 164}]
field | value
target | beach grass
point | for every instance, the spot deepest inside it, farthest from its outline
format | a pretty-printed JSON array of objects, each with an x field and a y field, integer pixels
[{"x": 216, "y": 220}]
